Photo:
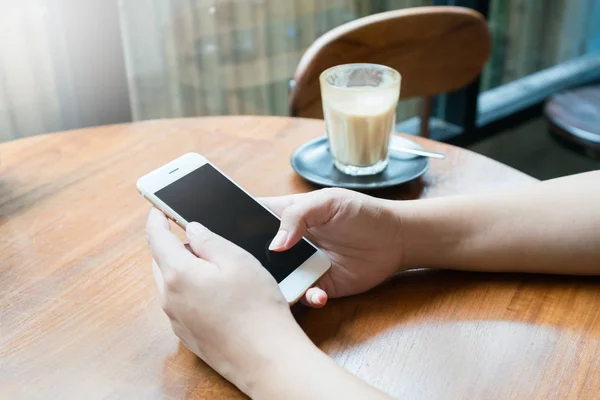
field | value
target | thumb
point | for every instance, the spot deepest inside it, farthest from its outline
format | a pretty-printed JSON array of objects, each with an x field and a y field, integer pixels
[
  {"x": 302, "y": 215},
  {"x": 314, "y": 297}
]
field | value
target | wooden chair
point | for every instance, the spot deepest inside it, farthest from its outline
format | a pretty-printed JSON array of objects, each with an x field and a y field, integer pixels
[{"x": 435, "y": 49}]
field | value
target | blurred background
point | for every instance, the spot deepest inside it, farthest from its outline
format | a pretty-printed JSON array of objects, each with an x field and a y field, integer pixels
[{"x": 68, "y": 64}]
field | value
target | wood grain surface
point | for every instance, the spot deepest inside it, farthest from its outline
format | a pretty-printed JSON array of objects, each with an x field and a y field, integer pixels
[
  {"x": 79, "y": 315},
  {"x": 435, "y": 49}
]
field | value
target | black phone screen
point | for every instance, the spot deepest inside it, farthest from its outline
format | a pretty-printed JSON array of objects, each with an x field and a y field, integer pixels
[{"x": 206, "y": 196}]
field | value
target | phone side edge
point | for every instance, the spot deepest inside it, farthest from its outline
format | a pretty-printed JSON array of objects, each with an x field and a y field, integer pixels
[
  {"x": 305, "y": 276},
  {"x": 165, "y": 209}
]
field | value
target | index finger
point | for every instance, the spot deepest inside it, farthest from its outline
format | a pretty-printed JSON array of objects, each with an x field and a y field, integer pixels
[{"x": 166, "y": 248}]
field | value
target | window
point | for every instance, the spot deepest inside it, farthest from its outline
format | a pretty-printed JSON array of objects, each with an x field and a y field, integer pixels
[
  {"x": 76, "y": 64},
  {"x": 529, "y": 36},
  {"x": 189, "y": 58}
]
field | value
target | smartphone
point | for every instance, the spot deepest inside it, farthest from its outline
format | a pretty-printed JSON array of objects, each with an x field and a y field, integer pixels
[{"x": 191, "y": 189}]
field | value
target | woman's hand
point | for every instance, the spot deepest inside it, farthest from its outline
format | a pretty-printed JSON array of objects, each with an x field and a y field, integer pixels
[
  {"x": 362, "y": 236},
  {"x": 224, "y": 306}
]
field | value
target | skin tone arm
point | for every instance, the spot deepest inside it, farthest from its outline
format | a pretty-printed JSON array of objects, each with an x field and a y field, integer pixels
[{"x": 549, "y": 227}]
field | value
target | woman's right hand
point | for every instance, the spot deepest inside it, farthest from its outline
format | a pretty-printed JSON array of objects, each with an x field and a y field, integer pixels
[{"x": 362, "y": 236}]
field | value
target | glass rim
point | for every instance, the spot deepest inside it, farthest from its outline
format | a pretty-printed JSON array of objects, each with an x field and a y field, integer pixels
[{"x": 397, "y": 76}]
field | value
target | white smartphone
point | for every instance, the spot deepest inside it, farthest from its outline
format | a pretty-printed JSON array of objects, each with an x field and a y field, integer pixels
[{"x": 191, "y": 189}]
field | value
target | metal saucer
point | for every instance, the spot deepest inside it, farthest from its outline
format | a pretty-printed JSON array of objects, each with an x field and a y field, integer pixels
[{"x": 313, "y": 162}]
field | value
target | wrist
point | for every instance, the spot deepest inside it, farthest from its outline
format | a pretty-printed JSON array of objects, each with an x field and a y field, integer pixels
[
  {"x": 293, "y": 354},
  {"x": 257, "y": 362},
  {"x": 305, "y": 372},
  {"x": 431, "y": 234}
]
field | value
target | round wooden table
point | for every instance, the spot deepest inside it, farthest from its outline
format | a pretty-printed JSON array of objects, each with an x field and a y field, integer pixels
[{"x": 80, "y": 317}]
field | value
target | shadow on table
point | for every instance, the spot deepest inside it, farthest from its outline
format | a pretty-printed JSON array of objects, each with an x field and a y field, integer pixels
[
  {"x": 407, "y": 191},
  {"x": 435, "y": 296}
]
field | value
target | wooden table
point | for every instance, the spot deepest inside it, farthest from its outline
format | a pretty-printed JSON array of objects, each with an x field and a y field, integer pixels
[{"x": 80, "y": 318}]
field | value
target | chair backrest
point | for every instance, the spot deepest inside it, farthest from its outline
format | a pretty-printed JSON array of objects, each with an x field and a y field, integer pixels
[{"x": 435, "y": 49}]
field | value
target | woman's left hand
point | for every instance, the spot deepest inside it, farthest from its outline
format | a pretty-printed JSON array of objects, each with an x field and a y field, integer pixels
[{"x": 224, "y": 306}]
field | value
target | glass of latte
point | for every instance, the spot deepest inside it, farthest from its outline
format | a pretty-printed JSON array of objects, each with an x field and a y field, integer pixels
[{"x": 359, "y": 105}]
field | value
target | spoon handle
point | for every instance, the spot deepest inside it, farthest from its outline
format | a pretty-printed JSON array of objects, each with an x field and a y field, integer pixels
[{"x": 422, "y": 153}]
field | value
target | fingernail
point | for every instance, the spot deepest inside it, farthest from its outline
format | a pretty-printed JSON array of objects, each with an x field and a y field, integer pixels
[
  {"x": 315, "y": 299},
  {"x": 279, "y": 240},
  {"x": 194, "y": 229}
]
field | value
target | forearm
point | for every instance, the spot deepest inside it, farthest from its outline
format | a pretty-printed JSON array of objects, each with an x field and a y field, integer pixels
[
  {"x": 304, "y": 372},
  {"x": 549, "y": 227}
]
